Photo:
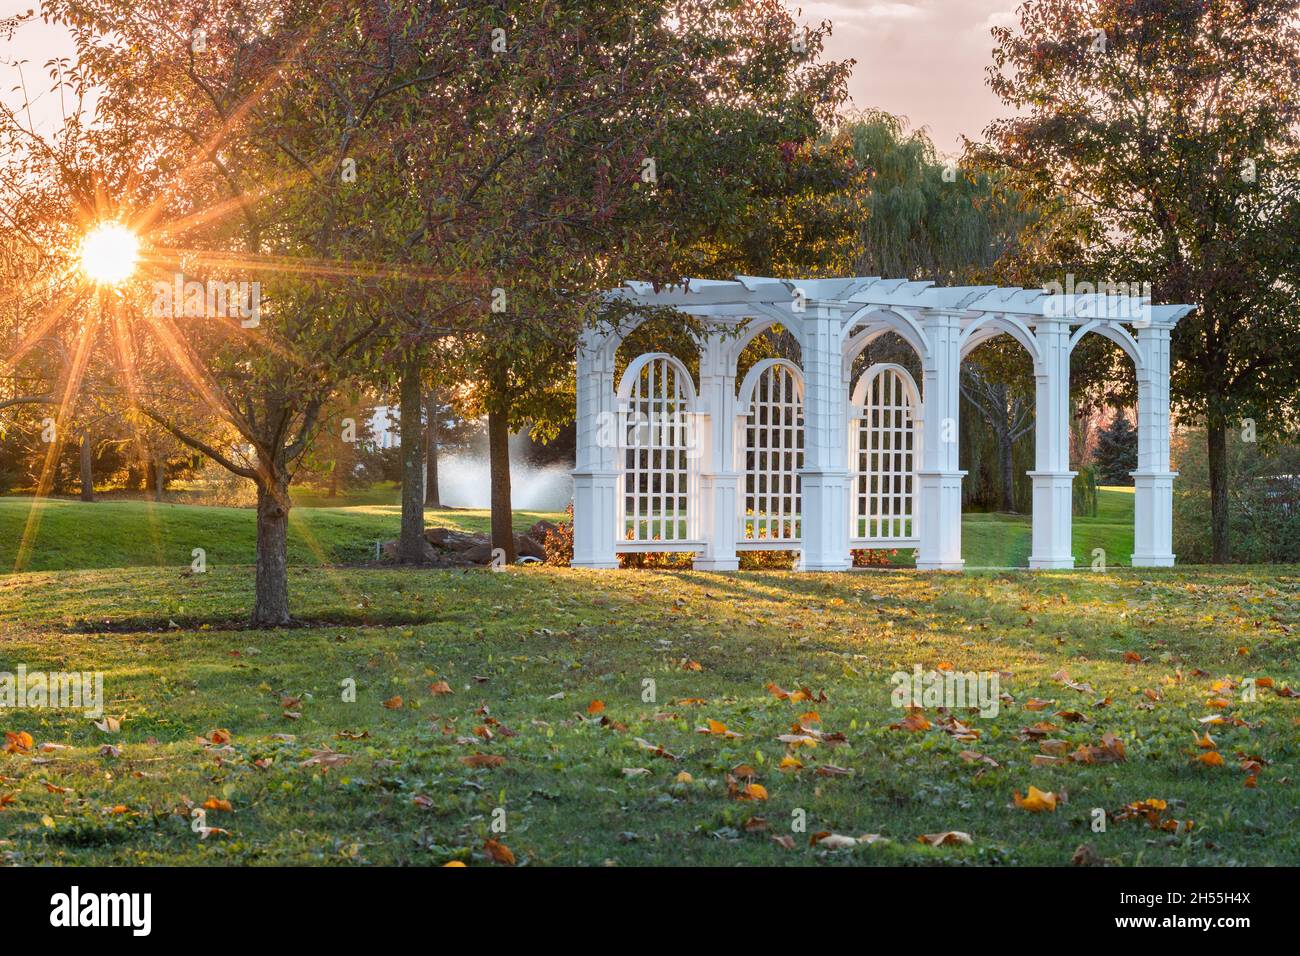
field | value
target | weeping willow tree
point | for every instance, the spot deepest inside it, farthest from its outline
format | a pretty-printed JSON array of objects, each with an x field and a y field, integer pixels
[{"x": 923, "y": 216}]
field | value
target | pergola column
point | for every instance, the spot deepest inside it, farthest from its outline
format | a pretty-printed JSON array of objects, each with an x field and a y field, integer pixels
[
  {"x": 939, "y": 502},
  {"x": 1153, "y": 482},
  {"x": 595, "y": 478},
  {"x": 824, "y": 478},
  {"x": 1053, "y": 480},
  {"x": 714, "y": 442}
]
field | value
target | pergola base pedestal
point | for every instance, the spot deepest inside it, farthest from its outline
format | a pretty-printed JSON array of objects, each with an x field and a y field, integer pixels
[{"x": 815, "y": 457}]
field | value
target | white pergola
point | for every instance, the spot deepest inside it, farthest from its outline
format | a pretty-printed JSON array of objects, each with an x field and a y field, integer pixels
[{"x": 805, "y": 457}]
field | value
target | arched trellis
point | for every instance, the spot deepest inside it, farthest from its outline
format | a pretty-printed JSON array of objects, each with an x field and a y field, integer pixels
[
  {"x": 885, "y": 433},
  {"x": 833, "y": 319},
  {"x": 659, "y": 447},
  {"x": 769, "y": 449}
]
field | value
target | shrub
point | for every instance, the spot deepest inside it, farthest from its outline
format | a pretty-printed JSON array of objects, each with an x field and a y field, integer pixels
[{"x": 558, "y": 543}]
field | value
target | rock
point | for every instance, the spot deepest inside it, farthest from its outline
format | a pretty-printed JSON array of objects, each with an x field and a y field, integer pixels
[
  {"x": 479, "y": 553},
  {"x": 526, "y": 545},
  {"x": 453, "y": 540},
  {"x": 389, "y": 551}
]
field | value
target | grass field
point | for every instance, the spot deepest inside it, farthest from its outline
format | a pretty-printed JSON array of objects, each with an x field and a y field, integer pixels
[
  {"x": 115, "y": 533},
  {"x": 124, "y": 534},
  {"x": 401, "y": 774}
]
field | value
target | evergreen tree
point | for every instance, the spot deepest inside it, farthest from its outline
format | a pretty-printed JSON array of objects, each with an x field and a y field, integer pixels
[{"x": 1117, "y": 452}]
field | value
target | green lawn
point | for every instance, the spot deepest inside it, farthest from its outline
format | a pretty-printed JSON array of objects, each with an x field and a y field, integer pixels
[
  {"x": 525, "y": 652},
  {"x": 118, "y": 533}
]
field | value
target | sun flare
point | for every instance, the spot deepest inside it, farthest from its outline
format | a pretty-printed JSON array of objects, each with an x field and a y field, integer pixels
[{"x": 109, "y": 253}]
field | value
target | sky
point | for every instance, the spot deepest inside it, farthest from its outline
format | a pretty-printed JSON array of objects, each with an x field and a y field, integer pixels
[{"x": 923, "y": 59}]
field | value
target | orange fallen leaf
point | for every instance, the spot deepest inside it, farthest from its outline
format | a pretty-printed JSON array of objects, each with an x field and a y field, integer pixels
[
  {"x": 1037, "y": 801},
  {"x": 440, "y": 687},
  {"x": 915, "y": 721},
  {"x": 212, "y": 803},
  {"x": 499, "y": 852},
  {"x": 718, "y": 729},
  {"x": 18, "y": 743},
  {"x": 394, "y": 703},
  {"x": 1211, "y": 758}
]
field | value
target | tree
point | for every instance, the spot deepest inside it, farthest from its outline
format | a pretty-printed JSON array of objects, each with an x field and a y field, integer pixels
[
  {"x": 1009, "y": 413},
  {"x": 609, "y": 138},
  {"x": 1117, "y": 451},
  {"x": 226, "y": 145},
  {"x": 1174, "y": 127}
]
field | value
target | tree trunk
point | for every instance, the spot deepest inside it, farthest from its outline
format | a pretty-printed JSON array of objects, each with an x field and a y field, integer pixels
[
  {"x": 334, "y": 481},
  {"x": 411, "y": 545},
  {"x": 431, "y": 497},
  {"x": 159, "y": 477},
  {"x": 271, "y": 606},
  {"x": 503, "y": 536},
  {"x": 1217, "y": 440},
  {"x": 1008, "y": 490},
  {"x": 87, "y": 467}
]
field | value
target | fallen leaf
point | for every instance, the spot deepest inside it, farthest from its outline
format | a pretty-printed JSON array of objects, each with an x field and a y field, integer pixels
[
  {"x": 1038, "y": 801},
  {"x": 499, "y": 852},
  {"x": 18, "y": 743}
]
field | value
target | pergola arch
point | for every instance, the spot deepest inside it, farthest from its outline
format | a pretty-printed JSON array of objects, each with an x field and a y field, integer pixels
[
  {"x": 877, "y": 322},
  {"x": 988, "y": 327},
  {"x": 833, "y": 320},
  {"x": 1117, "y": 334},
  {"x": 752, "y": 329}
]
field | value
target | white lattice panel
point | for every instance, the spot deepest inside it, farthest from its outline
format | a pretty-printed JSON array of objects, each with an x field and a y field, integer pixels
[
  {"x": 657, "y": 429},
  {"x": 884, "y": 456},
  {"x": 772, "y": 449}
]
